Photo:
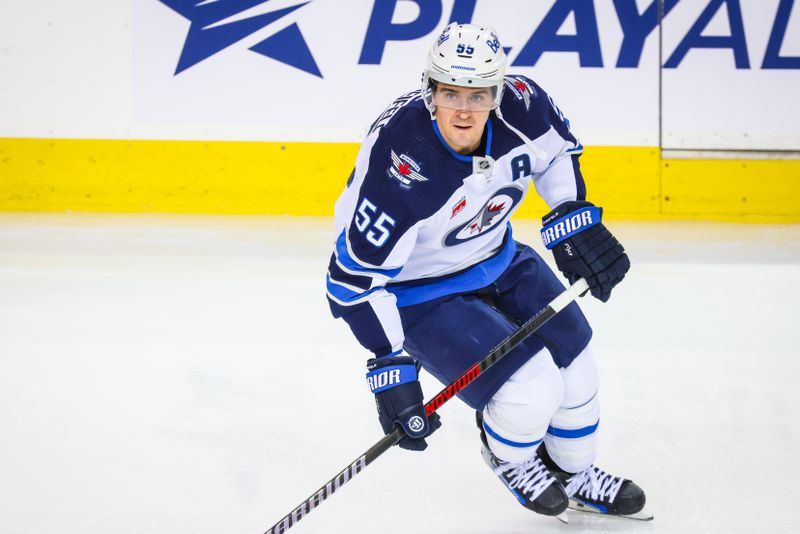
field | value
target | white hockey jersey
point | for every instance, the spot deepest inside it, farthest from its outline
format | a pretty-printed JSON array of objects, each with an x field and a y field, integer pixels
[{"x": 418, "y": 221}]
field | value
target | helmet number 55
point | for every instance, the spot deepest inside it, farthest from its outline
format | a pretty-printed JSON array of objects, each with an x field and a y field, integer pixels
[
  {"x": 466, "y": 50},
  {"x": 380, "y": 229}
]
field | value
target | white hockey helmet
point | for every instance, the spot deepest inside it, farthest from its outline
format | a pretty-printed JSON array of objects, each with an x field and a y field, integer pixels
[{"x": 466, "y": 55}]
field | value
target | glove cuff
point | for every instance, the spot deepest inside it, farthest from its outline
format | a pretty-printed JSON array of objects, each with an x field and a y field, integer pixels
[
  {"x": 564, "y": 208},
  {"x": 568, "y": 219},
  {"x": 414, "y": 422},
  {"x": 389, "y": 372}
]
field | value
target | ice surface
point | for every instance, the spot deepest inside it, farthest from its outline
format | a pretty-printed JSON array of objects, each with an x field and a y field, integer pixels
[{"x": 170, "y": 374}]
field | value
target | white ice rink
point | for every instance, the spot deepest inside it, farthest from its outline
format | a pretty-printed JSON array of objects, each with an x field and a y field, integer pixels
[{"x": 182, "y": 374}]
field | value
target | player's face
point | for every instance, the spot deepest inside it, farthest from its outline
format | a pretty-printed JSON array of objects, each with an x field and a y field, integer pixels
[{"x": 461, "y": 113}]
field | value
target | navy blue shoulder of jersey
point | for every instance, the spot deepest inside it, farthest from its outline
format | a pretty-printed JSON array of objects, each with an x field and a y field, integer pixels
[
  {"x": 410, "y": 177},
  {"x": 526, "y": 106}
]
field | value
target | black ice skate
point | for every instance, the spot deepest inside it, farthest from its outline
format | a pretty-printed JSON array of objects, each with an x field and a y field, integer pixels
[
  {"x": 594, "y": 490},
  {"x": 530, "y": 482}
]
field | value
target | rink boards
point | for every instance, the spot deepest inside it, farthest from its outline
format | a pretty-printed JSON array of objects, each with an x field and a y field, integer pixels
[{"x": 305, "y": 179}]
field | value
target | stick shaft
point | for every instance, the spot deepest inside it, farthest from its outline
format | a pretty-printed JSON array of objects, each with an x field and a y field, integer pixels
[{"x": 385, "y": 443}]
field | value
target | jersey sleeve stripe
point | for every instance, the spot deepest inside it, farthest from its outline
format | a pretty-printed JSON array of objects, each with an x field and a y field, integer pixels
[
  {"x": 347, "y": 297},
  {"x": 351, "y": 265},
  {"x": 354, "y": 289},
  {"x": 354, "y": 281},
  {"x": 576, "y": 150}
]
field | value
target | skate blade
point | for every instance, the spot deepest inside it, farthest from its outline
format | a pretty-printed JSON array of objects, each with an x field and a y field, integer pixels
[
  {"x": 641, "y": 515},
  {"x": 562, "y": 517}
]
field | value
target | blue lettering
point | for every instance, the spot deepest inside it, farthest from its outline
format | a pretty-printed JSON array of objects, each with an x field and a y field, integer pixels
[
  {"x": 636, "y": 28},
  {"x": 463, "y": 11},
  {"x": 736, "y": 41},
  {"x": 586, "y": 41},
  {"x": 772, "y": 57},
  {"x": 381, "y": 30},
  {"x": 462, "y": 49},
  {"x": 520, "y": 167}
]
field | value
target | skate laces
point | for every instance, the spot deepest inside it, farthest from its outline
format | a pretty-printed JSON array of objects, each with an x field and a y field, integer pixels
[
  {"x": 595, "y": 484},
  {"x": 530, "y": 476}
]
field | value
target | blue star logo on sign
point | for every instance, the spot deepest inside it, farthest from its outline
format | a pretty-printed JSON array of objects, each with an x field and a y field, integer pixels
[{"x": 217, "y": 24}]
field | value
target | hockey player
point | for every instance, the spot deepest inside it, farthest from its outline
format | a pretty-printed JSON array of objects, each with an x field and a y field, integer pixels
[{"x": 426, "y": 272}]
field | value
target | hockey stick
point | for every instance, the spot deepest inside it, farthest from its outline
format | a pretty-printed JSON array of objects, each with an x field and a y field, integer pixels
[{"x": 505, "y": 346}]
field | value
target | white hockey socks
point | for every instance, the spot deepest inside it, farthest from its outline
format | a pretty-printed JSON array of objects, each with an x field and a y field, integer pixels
[
  {"x": 516, "y": 418},
  {"x": 571, "y": 438}
]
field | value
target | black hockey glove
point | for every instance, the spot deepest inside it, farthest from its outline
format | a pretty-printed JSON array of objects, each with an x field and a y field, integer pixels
[
  {"x": 398, "y": 395},
  {"x": 584, "y": 248}
]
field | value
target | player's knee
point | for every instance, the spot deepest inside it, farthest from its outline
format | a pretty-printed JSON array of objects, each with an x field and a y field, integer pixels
[
  {"x": 517, "y": 416},
  {"x": 580, "y": 379},
  {"x": 530, "y": 396}
]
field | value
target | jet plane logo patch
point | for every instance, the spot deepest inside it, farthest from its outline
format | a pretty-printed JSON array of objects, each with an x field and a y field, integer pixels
[
  {"x": 496, "y": 210},
  {"x": 405, "y": 170},
  {"x": 521, "y": 89}
]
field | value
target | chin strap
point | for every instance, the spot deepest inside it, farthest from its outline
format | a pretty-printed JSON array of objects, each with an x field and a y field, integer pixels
[{"x": 538, "y": 152}]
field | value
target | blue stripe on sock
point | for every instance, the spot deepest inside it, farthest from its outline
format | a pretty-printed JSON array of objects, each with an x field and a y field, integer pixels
[
  {"x": 572, "y": 434},
  {"x": 508, "y": 442}
]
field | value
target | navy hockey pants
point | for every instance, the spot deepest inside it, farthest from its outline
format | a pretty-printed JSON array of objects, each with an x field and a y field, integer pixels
[{"x": 452, "y": 333}]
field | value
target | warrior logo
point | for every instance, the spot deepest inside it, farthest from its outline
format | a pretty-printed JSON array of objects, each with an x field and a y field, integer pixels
[
  {"x": 315, "y": 500},
  {"x": 496, "y": 210},
  {"x": 404, "y": 170},
  {"x": 416, "y": 424}
]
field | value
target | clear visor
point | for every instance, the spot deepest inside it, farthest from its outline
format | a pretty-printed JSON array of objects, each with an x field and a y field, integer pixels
[{"x": 464, "y": 98}]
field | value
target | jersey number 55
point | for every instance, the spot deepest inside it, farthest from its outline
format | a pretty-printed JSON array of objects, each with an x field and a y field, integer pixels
[{"x": 380, "y": 229}]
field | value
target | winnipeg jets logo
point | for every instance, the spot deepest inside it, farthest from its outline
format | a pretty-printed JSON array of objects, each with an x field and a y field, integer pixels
[
  {"x": 488, "y": 214},
  {"x": 496, "y": 210},
  {"x": 405, "y": 170}
]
